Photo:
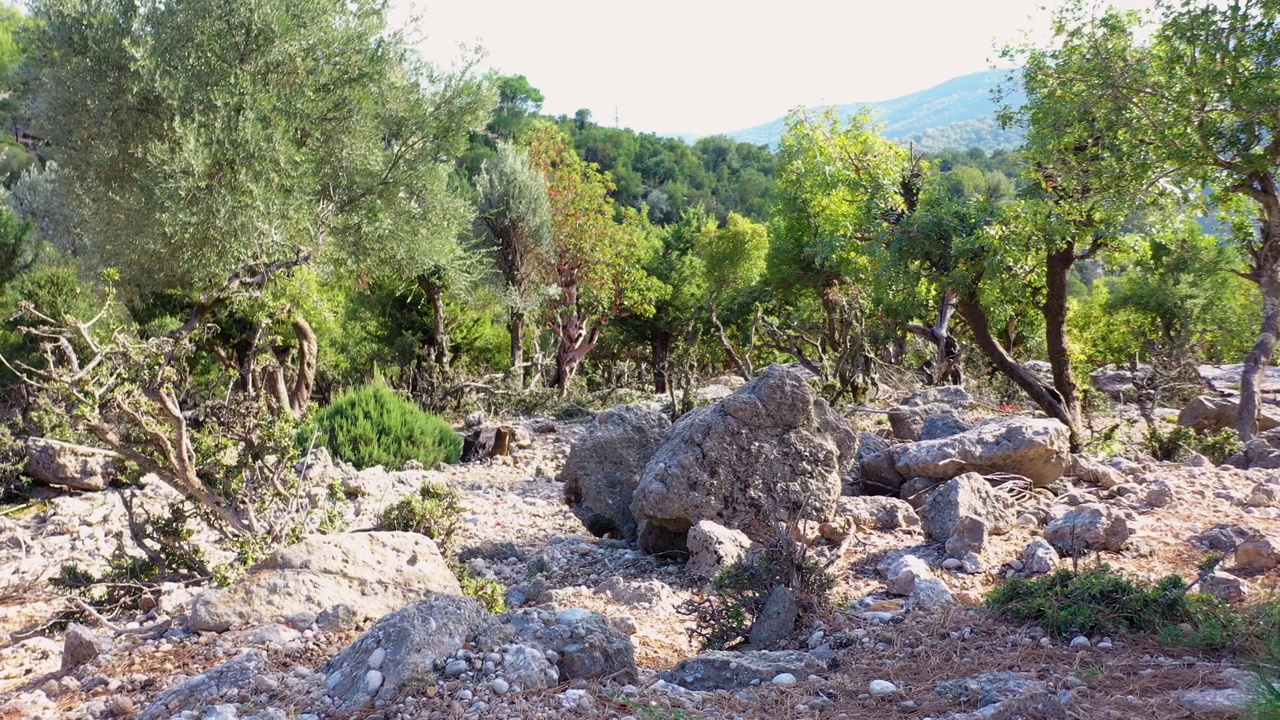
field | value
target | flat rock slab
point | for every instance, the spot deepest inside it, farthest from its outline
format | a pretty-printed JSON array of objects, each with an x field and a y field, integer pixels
[{"x": 373, "y": 573}]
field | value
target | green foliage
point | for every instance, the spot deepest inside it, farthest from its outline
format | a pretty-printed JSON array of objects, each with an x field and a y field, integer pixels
[
  {"x": 435, "y": 510},
  {"x": 1219, "y": 447},
  {"x": 1100, "y": 601},
  {"x": 14, "y": 484},
  {"x": 1170, "y": 445},
  {"x": 739, "y": 593},
  {"x": 373, "y": 425},
  {"x": 488, "y": 592}
]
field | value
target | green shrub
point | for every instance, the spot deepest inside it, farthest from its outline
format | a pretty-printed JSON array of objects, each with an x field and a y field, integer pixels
[
  {"x": 433, "y": 510},
  {"x": 375, "y": 426},
  {"x": 488, "y": 592},
  {"x": 1100, "y": 601},
  {"x": 1172, "y": 445},
  {"x": 1221, "y": 446}
]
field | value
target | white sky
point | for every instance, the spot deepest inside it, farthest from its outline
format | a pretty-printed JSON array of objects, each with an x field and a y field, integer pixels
[{"x": 709, "y": 66}]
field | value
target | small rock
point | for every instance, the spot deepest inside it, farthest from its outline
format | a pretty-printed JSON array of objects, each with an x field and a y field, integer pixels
[
  {"x": 882, "y": 687},
  {"x": 1080, "y": 641},
  {"x": 79, "y": 646},
  {"x": 499, "y": 686},
  {"x": 784, "y": 679}
]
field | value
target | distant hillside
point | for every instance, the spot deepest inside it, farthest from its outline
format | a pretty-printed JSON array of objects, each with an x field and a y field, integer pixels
[{"x": 956, "y": 115}]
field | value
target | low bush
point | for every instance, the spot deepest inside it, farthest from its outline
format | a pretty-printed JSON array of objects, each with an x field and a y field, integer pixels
[
  {"x": 488, "y": 592},
  {"x": 433, "y": 510},
  {"x": 1099, "y": 601},
  {"x": 1172, "y": 445},
  {"x": 375, "y": 426}
]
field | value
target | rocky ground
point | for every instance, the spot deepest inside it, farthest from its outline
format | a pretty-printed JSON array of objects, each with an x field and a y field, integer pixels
[{"x": 597, "y": 630}]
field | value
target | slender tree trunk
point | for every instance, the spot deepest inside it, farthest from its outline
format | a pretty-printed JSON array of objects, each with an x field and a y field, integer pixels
[
  {"x": 1044, "y": 396},
  {"x": 574, "y": 339},
  {"x": 946, "y": 362},
  {"x": 1256, "y": 361},
  {"x": 660, "y": 347},
  {"x": 516, "y": 327},
  {"x": 433, "y": 289},
  {"x": 1058, "y": 269},
  {"x": 740, "y": 361}
]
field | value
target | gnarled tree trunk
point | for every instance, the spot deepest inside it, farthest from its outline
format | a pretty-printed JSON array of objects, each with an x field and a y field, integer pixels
[
  {"x": 1057, "y": 270},
  {"x": 1046, "y": 397},
  {"x": 1259, "y": 356}
]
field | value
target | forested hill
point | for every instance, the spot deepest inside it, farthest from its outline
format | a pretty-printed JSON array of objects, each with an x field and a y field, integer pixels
[{"x": 958, "y": 114}]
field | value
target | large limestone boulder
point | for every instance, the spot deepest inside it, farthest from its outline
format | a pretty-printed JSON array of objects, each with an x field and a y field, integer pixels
[
  {"x": 908, "y": 419},
  {"x": 1035, "y": 448},
  {"x": 604, "y": 466},
  {"x": 1206, "y": 414},
  {"x": 1088, "y": 528},
  {"x": 773, "y": 450},
  {"x": 373, "y": 573},
  {"x": 585, "y": 643},
  {"x": 968, "y": 495},
  {"x": 401, "y": 648},
  {"x": 77, "y": 467}
]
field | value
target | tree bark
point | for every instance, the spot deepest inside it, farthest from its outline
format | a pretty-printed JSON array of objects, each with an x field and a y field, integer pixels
[
  {"x": 660, "y": 347},
  {"x": 433, "y": 289},
  {"x": 741, "y": 362},
  {"x": 946, "y": 365},
  {"x": 1057, "y": 270},
  {"x": 305, "y": 381},
  {"x": 1256, "y": 361},
  {"x": 1046, "y": 397},
  {"x": 516, "y": 327}
]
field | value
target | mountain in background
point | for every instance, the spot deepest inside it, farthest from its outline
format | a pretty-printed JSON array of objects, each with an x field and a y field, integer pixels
[{"x": 956, "y": 115}]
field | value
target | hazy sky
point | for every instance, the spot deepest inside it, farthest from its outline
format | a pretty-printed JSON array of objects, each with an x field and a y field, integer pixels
[{"x": 706, "y": 66}]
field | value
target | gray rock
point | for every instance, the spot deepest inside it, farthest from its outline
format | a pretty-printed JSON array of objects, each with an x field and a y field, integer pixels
[
  {"x": 1225, "y": 586},
  {"x": 880, "y": 513},
  {"x": 967, "y": 495},
  {"x": 411, "y": 640},
  {"x": 777, "y": 620},
  {"x": 908, "y": 423},
  {"x": 968, "y": 536},
  {"x": 1037, "y": 449},
  {"x": 1116, "y": 383},
  {"x": 929, "y": 593},
  {"x": 337, "y": 618},
  {"x": 869, "y": 444},
  {"x": 79, "y": 646},
  {"x": 528, "y": 667},
  {"x": 373, "y": 573},
  {"x": 1264, "y": 495},
  {"x": 1161, "y": 493},
  {"x": 880, "y": 473},
  {"x": 772, "y": 451},
  {"x": 1223, "y": 538},
  {"x": 603, "y": 468},
  {"x": 226, "y": 680},
  {"x": 902, "y": 573},
  {"x": 78, "y": 467},
  {"x": 714, "y": 547},
  {"x": 1039, "y": 557},
  {"x": 1088, "y": 528},
  {"x": 1257, "y": 553},
  {"x": 1207, "y": 414},
  {"x": 952, "y": 396},
  {"x": 942, "y": 426},
  {"x": 916, "y": 490},
  {"x": 725, "y": 670},
  {"x": 1262, "y": 452},
  {"x": 989, "y": 688},
  {"x": 1103, "y": 476},
  {"x": 585, "y": 643}
]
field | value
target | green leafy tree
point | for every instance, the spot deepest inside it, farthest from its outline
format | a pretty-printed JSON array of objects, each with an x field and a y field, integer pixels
[
  {"x": 1188, "y": 97},
  {"x": 214, "y": 146},
  {"x": 594, "y": 260},
  {"x": 733, "y": 259},
  {"x": 516, "y": 221}
]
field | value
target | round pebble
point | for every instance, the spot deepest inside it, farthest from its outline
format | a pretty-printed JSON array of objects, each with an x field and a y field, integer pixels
[
  {"x": 499, "y": 686},
  {"x": 784, "y": 679},
  {"x": 882, "y": 687}
]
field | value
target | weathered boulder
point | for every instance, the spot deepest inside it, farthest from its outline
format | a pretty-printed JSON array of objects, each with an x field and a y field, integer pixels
[
  {"x": 941, "y": 426},
  {"x": 930, "y": 593},
  {"x": 528, "y": 667},
  {"x": 373, "y": 573},
  {"x": 869, "y": 444},
  {"x": 1225, "y": 586},
  {"x": 1119, "y": 384},
  {"x": 1262, "y": 452},
  {"x": 773, "y": 450},
  {"x": 77, "y": 467},
  {"x": 401, "y": 648},
  {"x": 1224, "y": 538},
  {"x": 1257, "y": 553},
  {"x": 968, "y": 536},
  {"x": 908, "y": 419},
  {"x": 726, "y": 670},
  {"x": 1104, "y": 476},
  {"x": 777, "y": 620},
  {"x": 1039, "y": 557},
  {"x": 902, "y": 573},
  {"x": 79, "y": 646},
  {"x": 604, "y": 466},
  {"x": 1038, "y": 449},
  {"x": 714, "y": 547},
  {"x": 1087, "y": 528},
  {"x": 1208, "y": 414},
  {"x": 226, "y": 680},
  {"x": 586, "y": 643},
  {"x": 968, "y": 495},
  {"x": 878, "y": 513}
]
